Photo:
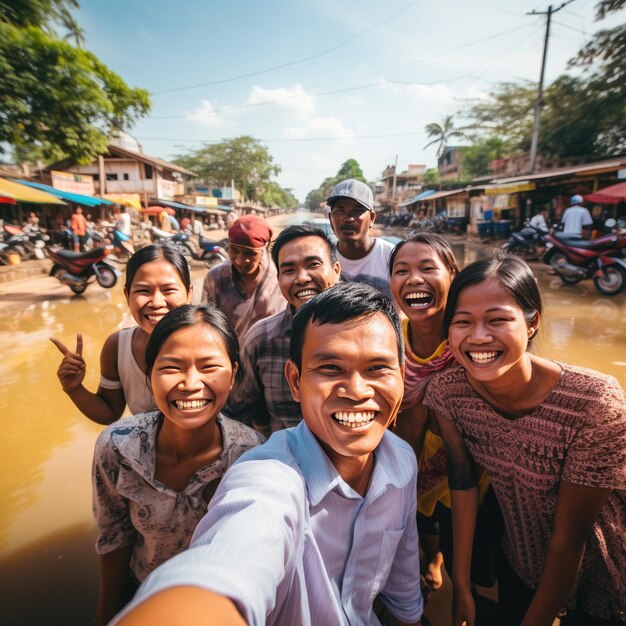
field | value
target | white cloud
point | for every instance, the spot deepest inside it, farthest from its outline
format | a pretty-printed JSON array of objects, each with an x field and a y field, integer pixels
[
  {"x": 322, "y": 127},
  {"x": 293, "y": 98},
  {"x": 205, "y": 114}
]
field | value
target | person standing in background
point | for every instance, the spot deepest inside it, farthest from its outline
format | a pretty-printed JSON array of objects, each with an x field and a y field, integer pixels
[
  {"x": 363, "y": 258},
  {"x": 245, "y": 287},
  {"x": 78, "y": 226},
  {"x": 576, "y": 218}
]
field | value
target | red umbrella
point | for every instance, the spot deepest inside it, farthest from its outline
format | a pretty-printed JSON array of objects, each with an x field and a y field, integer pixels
[
  {"x": 157, "y": 210},
  {"x": 5, "y": 200},
  {"x": 609, "y": 195}
]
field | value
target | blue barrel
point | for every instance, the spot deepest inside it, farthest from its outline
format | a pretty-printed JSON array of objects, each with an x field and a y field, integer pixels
[
  {"x": 485, "y": 229},
  {"x": 502, "y": 229}
]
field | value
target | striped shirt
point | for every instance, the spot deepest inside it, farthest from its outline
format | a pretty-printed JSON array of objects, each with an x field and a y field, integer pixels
[{"x": 291, "y": 543}]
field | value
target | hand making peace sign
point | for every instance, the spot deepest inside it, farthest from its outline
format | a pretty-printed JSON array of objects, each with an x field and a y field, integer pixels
[{"x": 72, "y": 370}]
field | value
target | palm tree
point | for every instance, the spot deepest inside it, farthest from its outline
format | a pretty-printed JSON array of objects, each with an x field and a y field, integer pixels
[
  {"x": 75, "y": 31},
  {"x": 442, "y": 133}
]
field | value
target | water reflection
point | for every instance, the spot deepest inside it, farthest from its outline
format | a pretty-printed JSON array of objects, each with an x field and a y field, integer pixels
[{"x": 46, "y": 529}]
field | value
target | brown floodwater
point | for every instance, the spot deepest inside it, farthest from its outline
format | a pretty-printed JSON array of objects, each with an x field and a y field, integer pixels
[{"x": 48, "y": 567}]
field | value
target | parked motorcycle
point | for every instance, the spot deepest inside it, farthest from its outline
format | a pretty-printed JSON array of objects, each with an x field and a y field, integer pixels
[
  {"x": 602, "y": 260},
  {"x": 210, "y": 251},
  {"x": 179, "y": 240},
  {"x": 529, "y": 243},
  {"x": 38, "y": 240},
  {"x": 78, "y": 269}
]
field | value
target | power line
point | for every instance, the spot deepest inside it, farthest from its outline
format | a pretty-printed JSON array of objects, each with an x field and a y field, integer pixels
[
  {"x": 290, "y": 63},
  {"x": 319, "y": 94}
]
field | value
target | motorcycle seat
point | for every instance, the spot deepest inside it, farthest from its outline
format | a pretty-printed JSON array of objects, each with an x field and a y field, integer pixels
[
  {"x": 209, "y": 243},
  {"x": 70, "y": 255},
  {"x": 587, "y": 244}
]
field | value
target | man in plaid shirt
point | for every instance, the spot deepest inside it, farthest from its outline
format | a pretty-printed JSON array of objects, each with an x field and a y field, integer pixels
[{"x": 306, "y": 264}]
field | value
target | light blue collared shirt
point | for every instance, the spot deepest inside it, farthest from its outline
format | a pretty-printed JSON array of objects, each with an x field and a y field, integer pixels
[{"x": 290, "y": 542}]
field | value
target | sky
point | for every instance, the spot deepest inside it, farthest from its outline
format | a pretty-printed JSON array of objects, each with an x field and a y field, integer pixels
[{"x": 319, "y": 82}]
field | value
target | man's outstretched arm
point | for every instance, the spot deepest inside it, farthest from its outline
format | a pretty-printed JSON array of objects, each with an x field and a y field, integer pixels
[{"x": 184, "y": 606}]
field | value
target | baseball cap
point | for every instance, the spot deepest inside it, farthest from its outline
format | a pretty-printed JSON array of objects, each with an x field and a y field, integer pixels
[
  {"x": 355, "y": 189},
  {"x": 577, "y": 199},
  {"x": 251, "y": 231}
]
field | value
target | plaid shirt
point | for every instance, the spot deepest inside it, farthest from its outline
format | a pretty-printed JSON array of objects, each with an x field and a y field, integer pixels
[{"x": 263, "y": 399}]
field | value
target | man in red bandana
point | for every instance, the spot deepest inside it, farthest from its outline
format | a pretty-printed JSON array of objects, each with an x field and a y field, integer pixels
[{"x": 246, "y": 287}]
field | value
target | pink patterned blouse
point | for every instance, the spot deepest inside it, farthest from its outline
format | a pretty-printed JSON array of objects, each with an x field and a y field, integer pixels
[{"x": 578, "y": 434}]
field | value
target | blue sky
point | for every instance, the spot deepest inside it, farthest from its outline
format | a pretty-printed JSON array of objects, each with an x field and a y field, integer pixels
[{"x": 320, "y": 82}]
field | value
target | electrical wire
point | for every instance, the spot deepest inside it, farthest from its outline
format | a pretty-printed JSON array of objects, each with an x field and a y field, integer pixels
[{"x": 290, "y": 63}]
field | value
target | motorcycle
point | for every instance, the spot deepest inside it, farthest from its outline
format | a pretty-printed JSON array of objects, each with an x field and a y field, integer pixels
[
  {"x": 78, "y": 269},
  {"x": 210, "y": 251},
  {"x": 38, "y": 239},
  {"x": 600, "y": 259},
  {"x": 529, "y": 243},
  {"x": 179, "y": 240}
]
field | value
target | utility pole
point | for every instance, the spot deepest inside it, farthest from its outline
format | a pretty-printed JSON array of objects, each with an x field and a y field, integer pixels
[{"x": 539, "y": 102}]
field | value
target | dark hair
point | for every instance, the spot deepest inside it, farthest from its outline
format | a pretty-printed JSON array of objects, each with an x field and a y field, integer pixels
[
  {"x": 437, "y": 243},
  {"x": 297, "y": 231},
  {"x": 511, "y": 272},
  {"x": 156, "y": 252},
  {"x": 344, "y": 301},
  {"x": 189, "y": 315}
]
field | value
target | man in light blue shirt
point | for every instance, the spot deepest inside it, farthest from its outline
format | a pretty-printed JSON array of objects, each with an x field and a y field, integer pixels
[{"x": 312, "y": 527}]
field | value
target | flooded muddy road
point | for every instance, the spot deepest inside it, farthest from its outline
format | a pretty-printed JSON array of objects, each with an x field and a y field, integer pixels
[{"x": 48, "y": 566}]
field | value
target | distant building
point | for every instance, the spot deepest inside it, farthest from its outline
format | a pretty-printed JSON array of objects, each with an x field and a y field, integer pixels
[
  {"x": 450, "y": 164},
  {"x": 124, "y": 170},
  {"x": 394, "y": 187}
]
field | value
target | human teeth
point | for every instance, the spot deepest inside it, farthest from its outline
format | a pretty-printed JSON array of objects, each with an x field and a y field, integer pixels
[
  {"x": 155, "y": 318},
  {"x": 190, "y": 404},
  {"x": 354, "y": 419},
  {"x": 418, "y": 299},
  {"x": 483, "y": 357},
  {"x": 305, "y": 293}
]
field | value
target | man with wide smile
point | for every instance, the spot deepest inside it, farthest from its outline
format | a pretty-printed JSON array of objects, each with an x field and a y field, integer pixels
[
  {"x": 304, "y": 259},
  {"x": 312, "y": 526},
  {"x": 363, "y": 258}
]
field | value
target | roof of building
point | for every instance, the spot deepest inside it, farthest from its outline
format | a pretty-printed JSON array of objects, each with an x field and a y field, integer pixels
[{"x": 130, "y": 154}]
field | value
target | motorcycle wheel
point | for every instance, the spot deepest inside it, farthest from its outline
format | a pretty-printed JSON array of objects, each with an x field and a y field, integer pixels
[
  {"x": 521, "y": 251},
  {"x": 612, "y": 282},
  {"x": 78, "y": 289},
  {"x": 555, "y": 261},
  {"x": 107, "y": 277}
]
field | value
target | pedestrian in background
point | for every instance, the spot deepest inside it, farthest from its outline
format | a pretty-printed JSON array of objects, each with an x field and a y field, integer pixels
[{"x": 78, "y": 226}]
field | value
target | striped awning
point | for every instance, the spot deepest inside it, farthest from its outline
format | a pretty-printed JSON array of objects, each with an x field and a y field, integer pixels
[
  {"x": 77, "y": 198},
  {"x": 23, "y": 193}
]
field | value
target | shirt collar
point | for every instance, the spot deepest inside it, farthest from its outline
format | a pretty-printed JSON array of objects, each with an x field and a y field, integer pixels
[{"x": 321, "y": 476}]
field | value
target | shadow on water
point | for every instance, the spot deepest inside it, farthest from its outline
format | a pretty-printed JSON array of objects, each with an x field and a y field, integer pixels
[{"x": 53, "y": 581}]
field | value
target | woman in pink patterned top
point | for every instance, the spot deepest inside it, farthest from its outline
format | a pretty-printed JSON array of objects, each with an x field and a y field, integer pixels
[{"x": 553, "y": 440}]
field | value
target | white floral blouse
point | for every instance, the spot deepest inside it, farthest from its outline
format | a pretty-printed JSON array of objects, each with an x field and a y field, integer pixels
[{"x": 131, "y": 507}]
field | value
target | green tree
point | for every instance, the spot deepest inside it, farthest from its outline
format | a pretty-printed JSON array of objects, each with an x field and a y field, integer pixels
[
  {"x": 442, "y": 133},
  {"x": 478, "y": 156},
  {"x": 350, "y": 169},
  {"x": 431, "y": 176},
  {"x": 54, "y": 96},
  {"x": 243, "y": 160},
  {"x": 507, "y": 113},
  {"x": 273, "y": 195}
]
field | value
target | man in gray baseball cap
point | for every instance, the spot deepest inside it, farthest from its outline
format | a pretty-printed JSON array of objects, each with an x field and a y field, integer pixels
[{"x": 363, "y": 258}]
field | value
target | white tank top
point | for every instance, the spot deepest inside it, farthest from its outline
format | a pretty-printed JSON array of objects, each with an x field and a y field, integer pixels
[{"x": 138, "y": 396}]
